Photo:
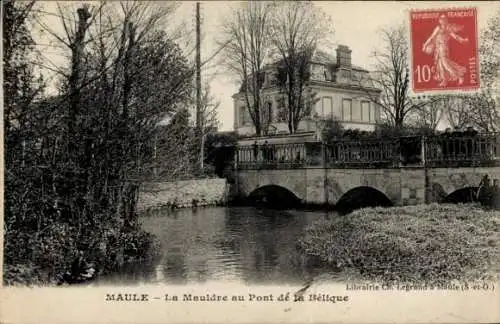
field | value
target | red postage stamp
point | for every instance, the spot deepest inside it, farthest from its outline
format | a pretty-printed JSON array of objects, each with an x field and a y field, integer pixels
[{"x": 444, "y": 50}]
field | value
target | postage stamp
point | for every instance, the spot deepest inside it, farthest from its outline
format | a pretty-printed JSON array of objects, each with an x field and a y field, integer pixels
[{"x": 444, "y": 51}]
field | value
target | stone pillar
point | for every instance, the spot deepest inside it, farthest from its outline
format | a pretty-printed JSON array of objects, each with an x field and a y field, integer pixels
[{"x": 413, "y": 186}]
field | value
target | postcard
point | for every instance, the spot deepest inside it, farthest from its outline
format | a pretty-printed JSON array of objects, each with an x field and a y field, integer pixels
[{"x": 250, "y": 162}]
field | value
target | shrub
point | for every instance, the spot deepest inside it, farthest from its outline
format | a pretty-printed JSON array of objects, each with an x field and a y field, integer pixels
[{"x": 431, "y": 243}]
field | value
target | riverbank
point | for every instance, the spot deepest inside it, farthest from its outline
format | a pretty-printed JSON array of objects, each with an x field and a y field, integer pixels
[
  {"x": 39, "y": 261},
  {"x": 183, "y": 194},
  {"x": 424, "y": 243}
]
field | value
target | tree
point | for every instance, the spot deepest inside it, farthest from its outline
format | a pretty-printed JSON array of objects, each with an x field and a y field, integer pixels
[
  {"x": 209, "y": 107},
  {"x": 21, "y": 86},
  {"x": 428, "y": 116},
  {"x": 208, "y": 114},
  {"x": 331, "y": 130},
  {"x": 485, "y": 114},
  {"x": 392, "y": 77},
  {"x": 70, "y": 183},
  {"x": 296, "y": 29},
  {"x": 247, "y": 46},
  {"x": 480, "y": 110},
  {"x": 175, "y": 161},
  {"x": 489, "y": 51}
]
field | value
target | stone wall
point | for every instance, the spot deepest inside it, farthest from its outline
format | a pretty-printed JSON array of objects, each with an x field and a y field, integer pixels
[
  {"x": 206, "y": 192},
  {"x": 403, "y": 186}
]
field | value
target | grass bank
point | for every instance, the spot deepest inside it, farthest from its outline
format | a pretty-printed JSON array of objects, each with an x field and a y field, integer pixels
[{"x": 425, "y": 243}]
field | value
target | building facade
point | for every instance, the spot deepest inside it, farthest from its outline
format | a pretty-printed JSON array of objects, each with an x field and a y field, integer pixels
[{"x": 343, "y": 91}]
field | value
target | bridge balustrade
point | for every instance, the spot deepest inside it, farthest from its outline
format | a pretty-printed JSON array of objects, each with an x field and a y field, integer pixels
[
  {"x": 462, "y": 151},
  {"x": 364, "y": 154},
  {"x": 271, "y": 156},
  {"x": 439, "y": 151}
]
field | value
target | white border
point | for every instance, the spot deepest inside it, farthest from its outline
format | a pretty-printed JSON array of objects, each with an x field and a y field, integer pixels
[{"x": 449, "y": 91}]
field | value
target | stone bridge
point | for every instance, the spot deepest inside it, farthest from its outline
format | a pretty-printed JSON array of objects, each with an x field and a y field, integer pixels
[
  {"x": 402, "y": 186},
  {"x": 402, "y": 171}
]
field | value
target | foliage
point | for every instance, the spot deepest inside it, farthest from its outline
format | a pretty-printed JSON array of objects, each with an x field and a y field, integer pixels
[
  {"x": 416, "y": 244},
  {"x": 219, "y": 148},
  {"x": 385, "y": 130},
  {"x": 21, "y": 86},
  {"x": 331, "y": 129},
  {"x": 489, "y": 51},
  {"x": 75, "y": 161},
  {"x": 181, "y": 157}
]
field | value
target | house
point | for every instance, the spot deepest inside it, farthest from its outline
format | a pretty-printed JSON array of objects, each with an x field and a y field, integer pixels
[{"x": 343, "y": 91}]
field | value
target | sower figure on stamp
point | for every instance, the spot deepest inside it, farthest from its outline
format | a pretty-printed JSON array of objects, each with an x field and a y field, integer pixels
[{"x": 437, "y": 44}]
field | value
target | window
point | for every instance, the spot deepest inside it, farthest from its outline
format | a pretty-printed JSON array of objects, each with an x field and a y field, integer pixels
[
  {"x": 269, "y": 111},
  {"x": 373, "y": 115},
  {"x": 337, "y": 111},
  {"x": 326, "y": 106},
  {"x": 244, "y": 115},
  {"x": 327, "y": 74},
  {"x": 282, "y": 111},
  {"x": 365, "y": 111},
  {"x": 356, "y": 112},
  {"x": 346, "y": 109}
]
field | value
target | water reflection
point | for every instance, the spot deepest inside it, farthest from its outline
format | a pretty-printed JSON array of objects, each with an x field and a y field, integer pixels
[{"x": 248, "y": 245}]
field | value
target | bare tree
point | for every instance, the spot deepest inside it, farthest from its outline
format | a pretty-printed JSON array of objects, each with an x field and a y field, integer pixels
[
  {"x": 428, "y": 116},
  {"x": 246, "y": 40},
  {"x": 486, "y": 114},
  {"x": 480, "y": 110},
  {"x": 209, "y": 109},
  {"x": 392, "y": 76},
  {"x": 457, "y": 111},
  {"x": 296, "y": 29}
]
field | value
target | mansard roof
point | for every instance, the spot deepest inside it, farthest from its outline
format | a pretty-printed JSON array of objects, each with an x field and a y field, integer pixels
[{"x": 324, "y": 58}]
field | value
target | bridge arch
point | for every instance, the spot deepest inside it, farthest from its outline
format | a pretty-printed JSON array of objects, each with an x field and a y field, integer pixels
[
  {"x": 274, "y": 195},
  {"x": 361, "y": 197},
  {"x": 462, "y": 195}
]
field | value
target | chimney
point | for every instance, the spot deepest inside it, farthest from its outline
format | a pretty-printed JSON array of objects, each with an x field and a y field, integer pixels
[{"x": 343, "y": 56}]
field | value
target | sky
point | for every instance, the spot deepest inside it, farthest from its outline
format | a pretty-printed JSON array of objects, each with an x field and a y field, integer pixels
[{"x": 356, "y": 24}]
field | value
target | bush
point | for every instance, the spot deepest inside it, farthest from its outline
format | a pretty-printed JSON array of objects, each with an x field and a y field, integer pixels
[
  {"x": 37, "y": 259},
  {"x": 430, "y": 243}
]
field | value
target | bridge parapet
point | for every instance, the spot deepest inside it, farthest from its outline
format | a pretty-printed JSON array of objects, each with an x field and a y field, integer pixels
[
  {"x": 445, "y": 150},
  {"x": 462, "y": 151}
]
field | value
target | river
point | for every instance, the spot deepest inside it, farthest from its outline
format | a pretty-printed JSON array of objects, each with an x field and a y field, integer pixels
[{"x": 237, "y": 244}]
